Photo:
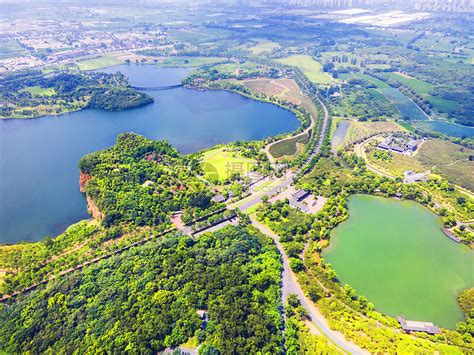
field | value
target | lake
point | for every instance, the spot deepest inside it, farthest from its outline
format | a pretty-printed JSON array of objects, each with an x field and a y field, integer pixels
[
  {"x": 394, "y": 253},
  {"x": 39, "y": 188}
]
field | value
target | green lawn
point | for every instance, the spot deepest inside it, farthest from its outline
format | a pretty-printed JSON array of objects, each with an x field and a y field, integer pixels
[
  {"x": 219, "y": 164},
  {"x": 39, "y": 91},
  {"x": 443, "y": 105},
  {"x": 420, "y": 86},
  {"x": 97, "y": 63},
  {"x": 312, "y": 69}
]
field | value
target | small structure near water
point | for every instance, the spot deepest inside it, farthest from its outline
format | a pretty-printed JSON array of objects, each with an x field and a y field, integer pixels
[{"x": 416, "y": 326}]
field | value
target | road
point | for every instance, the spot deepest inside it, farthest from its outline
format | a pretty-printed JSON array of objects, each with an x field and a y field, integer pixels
[
  {"x": 359, "y": 150},
  {"x": 257, "y": 197},
  {"x": 290, "y": 285}
]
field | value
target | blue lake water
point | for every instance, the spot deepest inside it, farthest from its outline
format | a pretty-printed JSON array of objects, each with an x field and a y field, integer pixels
[{"x": 39, "y": 189}]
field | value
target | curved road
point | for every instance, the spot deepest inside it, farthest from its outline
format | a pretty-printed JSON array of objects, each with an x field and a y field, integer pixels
[
  {"x": 257, "y": 197},
  {"x": 290, "y": 285}
]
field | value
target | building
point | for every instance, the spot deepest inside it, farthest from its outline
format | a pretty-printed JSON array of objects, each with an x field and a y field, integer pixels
[
  {"x": 416, "y": 326},
  {"x": 218, "y": 198},
  {"x": 300, "y": 195},
  {"x": 301, "y": 206},
  {"x": 412, "y": 145}
]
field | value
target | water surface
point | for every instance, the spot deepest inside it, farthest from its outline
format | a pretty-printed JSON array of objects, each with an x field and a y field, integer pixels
[
  {"x": 39, "y": 190},
  {"x": 339, "y": 134},
  {"x": 395, "y": 254}
]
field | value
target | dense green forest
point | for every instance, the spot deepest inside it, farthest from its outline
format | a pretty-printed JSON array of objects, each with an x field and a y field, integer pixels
[
  {"x": 146, "y": 299},
  {"x": 32, "y": 93},
  {"x": 141, "y": 181}
]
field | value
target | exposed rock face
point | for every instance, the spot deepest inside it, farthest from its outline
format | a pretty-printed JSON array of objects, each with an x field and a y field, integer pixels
[
  {"x": 91, "y": 206},
  {"x": 83, "y": 179},
  {"x": 93, "y": 209}
]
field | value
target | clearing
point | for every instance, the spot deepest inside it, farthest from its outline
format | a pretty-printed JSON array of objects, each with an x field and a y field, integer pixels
[
  {"x": 359, "y": 131},
  {"x": 439, "y": 156},
  {"x": 98, "y": 63},
  {"x": 310, "y": 67},
  {"x": 218, "y": 164},
  {"x": 263, "y": 46},
  {"x": 39, "y": 91}
]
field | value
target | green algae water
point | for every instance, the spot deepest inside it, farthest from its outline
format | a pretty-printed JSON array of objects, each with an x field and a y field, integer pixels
[{"x": 394, "y": 253}]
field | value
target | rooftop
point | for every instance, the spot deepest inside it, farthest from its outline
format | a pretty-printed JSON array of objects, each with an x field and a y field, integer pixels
[{"x": 417, "y": 326}]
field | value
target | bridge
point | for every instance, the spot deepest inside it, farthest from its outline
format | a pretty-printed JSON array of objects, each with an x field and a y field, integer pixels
[{"x": 154, "y": 88}]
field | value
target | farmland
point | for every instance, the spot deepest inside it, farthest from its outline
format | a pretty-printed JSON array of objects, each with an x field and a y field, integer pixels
[
  {"x": 98, "y": 63},
  {"x": 448, "y": 128},
  {"x": 263, "y": 46},
  {"x": 309, "y": 66},
  {"x": 408, "y": 109}
]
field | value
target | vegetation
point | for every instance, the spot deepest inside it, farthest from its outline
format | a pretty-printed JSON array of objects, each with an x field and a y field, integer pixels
[
  {"x": 146, "y": 299},
  {"x": 98, "y": 63},
  {"x": 142, "y": 182},
  {"x": 288, "y": 147},
  {"x": 222, "y": 163},
  {"x": 441, "y": 157},
  {"x": 32, "y": 94},
  {"x": 310, "y": 67},
  {"x": 359, "y": 99},
  {"x": 298, "y": 338}
]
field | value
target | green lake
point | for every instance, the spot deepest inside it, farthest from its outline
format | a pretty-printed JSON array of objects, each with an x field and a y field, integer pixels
[{"x": 394, "y": 253}]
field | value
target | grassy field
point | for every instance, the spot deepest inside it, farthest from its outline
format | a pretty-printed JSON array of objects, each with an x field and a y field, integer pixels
[
  {"x": 39, "y": 91},
  {"x": 420, "y": 86},
  {"x": 97, "y": 63},
  {"x": 312, "y": 69},
  {"x": 358, "y": 131},
  {"x": 218, "y": 164},
  {"x": 235, "y": 68},
  {"x": 443, "y": 105},
  {"x": 424, "y": 88},
  {"x": 264, "y": 46},
  {"x": 448, "y": 128},
  {"x": 408, "y": 109},
  {"x": 288, "y": 147},
  {"x": 441, "y": 157},
  {"x": 187, "y": 62},
  {"x": 11, "y": 49}
]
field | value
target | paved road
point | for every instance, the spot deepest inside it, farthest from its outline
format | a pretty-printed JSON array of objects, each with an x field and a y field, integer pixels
[
  {"x": 289, "y": 179},
  {"x": 290, "y": 285},
  {"x": 318, "y": 146},
  {"x": 359, "y": 149}
]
